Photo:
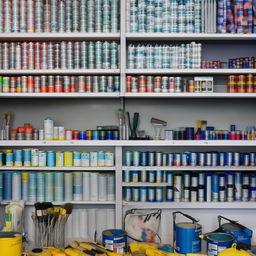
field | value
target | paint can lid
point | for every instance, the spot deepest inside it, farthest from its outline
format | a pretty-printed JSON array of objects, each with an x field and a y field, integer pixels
[
  {"x": 231, "y": 227},
  {"x": 9, "y": 234},
  {"x": 188, "y": 225}
]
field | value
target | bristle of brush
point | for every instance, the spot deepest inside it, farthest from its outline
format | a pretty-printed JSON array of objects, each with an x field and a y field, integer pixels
[{"x": 68, "y": 207}]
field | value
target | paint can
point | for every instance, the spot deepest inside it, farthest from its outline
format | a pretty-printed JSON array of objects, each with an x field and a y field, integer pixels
[
  {"x": 115, "y": 240},
  {"x": 10, "y": 243},
  {"x": 241, "y": 233},
  {"x": 186, "y": 235},
  {"x": 217, "y": 242}
]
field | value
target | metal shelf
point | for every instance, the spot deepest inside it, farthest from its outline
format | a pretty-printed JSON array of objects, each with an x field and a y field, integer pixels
[
  {"x": 64, "y": 168},
  {"x": 190, "y": 168},
  {"x": 186, "y": 36},
  {"x": 57, "y": 36},
  {"x": 144, "y": 184},
  {"x": 197, "y": 205},
  {"x": 73, "y": 202},
  {"x": 190, "y": 95},
  {"x": 127, "y": 95},
  {"x": 60, "y": 72},
  {"x": 60, "y": 143},
  {"x": 190, "y": 71},
  {"x": 61, "y": 95},
  {"x": 124, "y": 143}
]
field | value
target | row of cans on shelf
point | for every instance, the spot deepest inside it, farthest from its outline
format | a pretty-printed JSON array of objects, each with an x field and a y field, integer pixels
[
  {"x": 164, "y": 16},
  {"x": 59, "y": 16},
  {"x": 59, "y": 55},
  {"x": 57, "y": 186},
  {"x": 196, "y": 187},
  {"x": 60, "y": 133},
  {"x": 40, "y": 158},
  {"x": 242, "y": 62},
  {"x": 236, "y": 17},
  {"x": 51, "y": 84},
  {"x": 168, "y": 84},
  {"x": 136, "y": 158},
  {"x": 183, "y": 56},
  {"x": 188, "y": 133},
  {"x": 242, "y": 83}
]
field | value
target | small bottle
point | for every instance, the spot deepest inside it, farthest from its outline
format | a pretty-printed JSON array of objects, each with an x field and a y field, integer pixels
[{"x": 198, "y": 135}]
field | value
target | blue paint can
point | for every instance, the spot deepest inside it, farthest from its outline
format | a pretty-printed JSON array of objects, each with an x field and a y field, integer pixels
[
  {"x": 241, "y": 233},
  {"x": 7, "y": 180},
  {"x": 51, "y": 159},
  {"x": 186, "y": 235},
  {"x": 115, "y": 240},
  {"x": 217, "y": 242}
]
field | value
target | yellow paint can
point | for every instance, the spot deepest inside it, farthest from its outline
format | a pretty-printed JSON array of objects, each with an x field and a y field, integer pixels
[{"x": 10, "y": 243}]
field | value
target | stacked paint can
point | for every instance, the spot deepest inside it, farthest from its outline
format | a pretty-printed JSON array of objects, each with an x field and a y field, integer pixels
[
  {"x": 160, "y": 185},
  {"x": 59, "y": 16},
  {"x": 167, "y": 84},
  {"x": 164, "y": 16},
  {"x": 40, "y": 158},
  {"x": 236, "y": 17},
  {"x": 242, "y": 62},
  {"x": 56, "y": 84},
  {"x": 242, "y": 84},
  {"x": 59, "y": 55},
  {"x": 52, "y": 132},
  {"x": 163, "y": 56},
  {"x": 57, "y": 186},
  {"x": 205, "y": 132},
  {"x": 193, "y": 159}
]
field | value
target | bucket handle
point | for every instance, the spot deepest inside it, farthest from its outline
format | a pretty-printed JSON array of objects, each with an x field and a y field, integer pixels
[
  {"x": 174, "y": 223},
  {"x": 231, "y": 221},
  {"x": 185, "y": 215}
]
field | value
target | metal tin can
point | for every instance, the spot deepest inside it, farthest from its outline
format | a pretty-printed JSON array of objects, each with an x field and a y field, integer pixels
[
  {"x": 151, "y": 194},
  {"x": 143, "y": 194},
  {"x": 85, "y": 159},
  {"x": 109, "y": 159},
  {"x": 68, "y": 158},
  {"x": 126, "y": 176}
]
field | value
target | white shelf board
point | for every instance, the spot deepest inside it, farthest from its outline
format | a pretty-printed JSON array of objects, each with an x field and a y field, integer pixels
[
  {"x": 190, "y": 143},
  {"x": 139, "y": 143},
  {"x": 64, "y": 168},
  {"x": 73, "y": 202},
  {"x": 59, "y": 71},
  {"x": 61, "y": 143},
  {"x": 190, "y": 95},
  {"x": 158, "y": 36},
  {"x": 57, "y": 36},
  {"x": 197, "y": 205},
  {"x": 144, "y": 184},
  {"x": 190, "y": 168},
  {"x": 61, "y": 95},
  {"x": 190, "y": 71}
]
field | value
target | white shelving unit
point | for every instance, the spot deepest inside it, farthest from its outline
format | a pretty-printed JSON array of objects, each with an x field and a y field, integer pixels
[
  {"x": 190, "y": 95},
  {"x": 131, "y": 143},
  {"x": 57, "y": 36},
  {"x": 61, "y": 95},
  {"x": 73, "y": 202},
  {"x": 156, "y": 104},
  {"x": 201, "y": 206},
  {"x": 191, "y": 168},
  {"x": 186, "y": 37},
  {"x": 190, "y": 71},
  {"x": 61, "y": 72},
  {"x": 64, "y": 168}
]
